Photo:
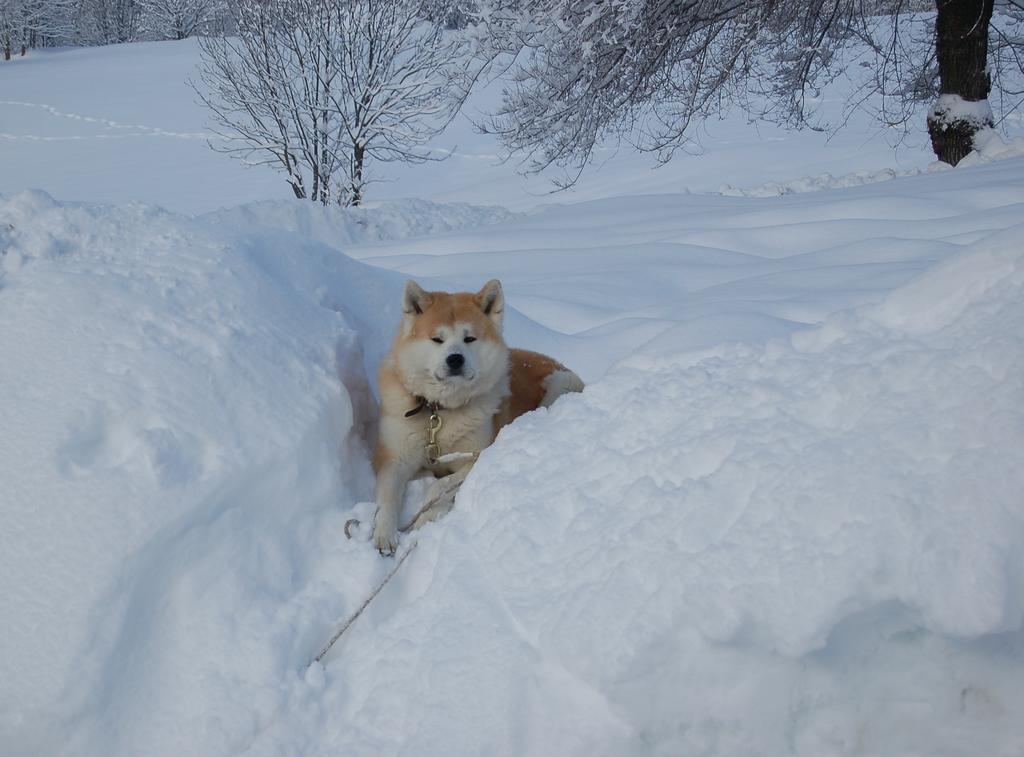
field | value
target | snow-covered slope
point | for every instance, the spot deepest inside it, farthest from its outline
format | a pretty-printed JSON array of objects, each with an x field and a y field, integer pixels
[
  {"x": 785, "y": 518},
  {"x": 183, "y": 415},
  {"x": 814, "y": 546}
]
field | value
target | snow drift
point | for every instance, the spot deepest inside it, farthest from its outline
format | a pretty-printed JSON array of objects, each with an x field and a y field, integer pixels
[
  {"x": 749, "y": 537},
  {"x": 735, "y": 553},
  {"x": 813, "y": 547},
  {"x": 185, "y": 415}
]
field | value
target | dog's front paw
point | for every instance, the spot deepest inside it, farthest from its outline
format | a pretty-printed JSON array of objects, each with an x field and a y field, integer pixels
[{"x": 385, "y": 538}]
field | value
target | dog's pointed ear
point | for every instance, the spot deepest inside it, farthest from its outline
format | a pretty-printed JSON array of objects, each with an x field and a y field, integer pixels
[
  {"x": 492, "y": 301},
  {"x": 414, "y": 299}
]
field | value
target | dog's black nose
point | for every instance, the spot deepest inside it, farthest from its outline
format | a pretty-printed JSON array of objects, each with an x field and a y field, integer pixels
[{"x": 455, "y": 361}]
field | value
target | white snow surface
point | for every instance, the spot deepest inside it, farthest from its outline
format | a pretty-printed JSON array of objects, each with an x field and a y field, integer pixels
[
  {"x": 183, "y": 414},
  {"x": 735, "y": 555},
  {"x": 120, "y": 123},
  {"x": 950, "y": 109},
  {"x": 785, "y": 517}
]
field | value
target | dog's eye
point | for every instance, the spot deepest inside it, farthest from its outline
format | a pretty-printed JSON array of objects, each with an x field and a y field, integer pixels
[
  {"x": 469, "y": 339},
  {"x": 437, "y": 339}
]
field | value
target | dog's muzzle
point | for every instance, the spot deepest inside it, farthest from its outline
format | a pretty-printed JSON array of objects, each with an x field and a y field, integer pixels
[{"x": 455, "y": 362}]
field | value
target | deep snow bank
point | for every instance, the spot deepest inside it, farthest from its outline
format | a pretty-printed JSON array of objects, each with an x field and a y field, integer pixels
[
  {"x": 810, "y": 547},
  {"x": 184, "y": 415}
]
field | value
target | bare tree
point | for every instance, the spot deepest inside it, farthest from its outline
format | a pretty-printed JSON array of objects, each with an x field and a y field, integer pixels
[
  {"x": 10, "y": 26},
  {"x": 106, "y": 22},
  {"x": 19, "y": 21},
  {"x": 1006, "y": 55},
  {"x": 179, "y": 19},
  {"x": 321, "y": 88},
  {"x": 40, "y": 23},
  {"x": 453, "y": 14},
  {"x": 954, "y": 56},
  {"x": 28, "y": 24},
  {"x": 644, "y": 69},
  {"x": 51, "y": 22},
  {"x": 961, "y": 47},
  {"x": 585, "y": 72}
]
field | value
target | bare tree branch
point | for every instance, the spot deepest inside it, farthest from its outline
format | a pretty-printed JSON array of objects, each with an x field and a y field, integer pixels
[{"x": 328, "y": 88}]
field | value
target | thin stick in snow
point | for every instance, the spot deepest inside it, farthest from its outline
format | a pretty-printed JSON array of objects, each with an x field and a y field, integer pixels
[{"x": 363, "y": 606}]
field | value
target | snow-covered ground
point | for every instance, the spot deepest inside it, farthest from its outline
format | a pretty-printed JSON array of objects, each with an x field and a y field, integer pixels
[
  {"x": 121, "y": 124},
  {"x": 784, "y": 518}
]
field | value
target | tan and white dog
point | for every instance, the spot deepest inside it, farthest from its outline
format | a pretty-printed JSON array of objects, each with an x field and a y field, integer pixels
[{"x": 447, "y": 386}]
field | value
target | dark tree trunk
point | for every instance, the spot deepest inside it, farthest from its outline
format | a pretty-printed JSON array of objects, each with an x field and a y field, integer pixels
[
  {"x": 961, "y": 46},
  {"x": 322, "y": 175},
  {"x": 294, "y": 179},
  {"x": 296, "y": 184},
  {"x": 358, "y": 155}
]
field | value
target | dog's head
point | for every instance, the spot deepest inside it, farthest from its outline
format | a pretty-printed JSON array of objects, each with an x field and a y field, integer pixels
[{"x": 450, "y": 349}]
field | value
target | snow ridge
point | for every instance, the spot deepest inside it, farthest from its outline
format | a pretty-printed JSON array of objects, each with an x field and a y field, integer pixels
[
  {"x": 844, "y": 497},
  {"x": 343, "y": 227}
]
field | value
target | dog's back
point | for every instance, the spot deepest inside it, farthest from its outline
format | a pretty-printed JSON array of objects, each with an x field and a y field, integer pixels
[{"x": 535, "y": 380}]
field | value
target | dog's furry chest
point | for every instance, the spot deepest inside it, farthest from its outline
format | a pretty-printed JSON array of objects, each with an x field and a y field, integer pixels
[
  {"x": 462, "y": 430},
  {"x": 466, "y": 429}
]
